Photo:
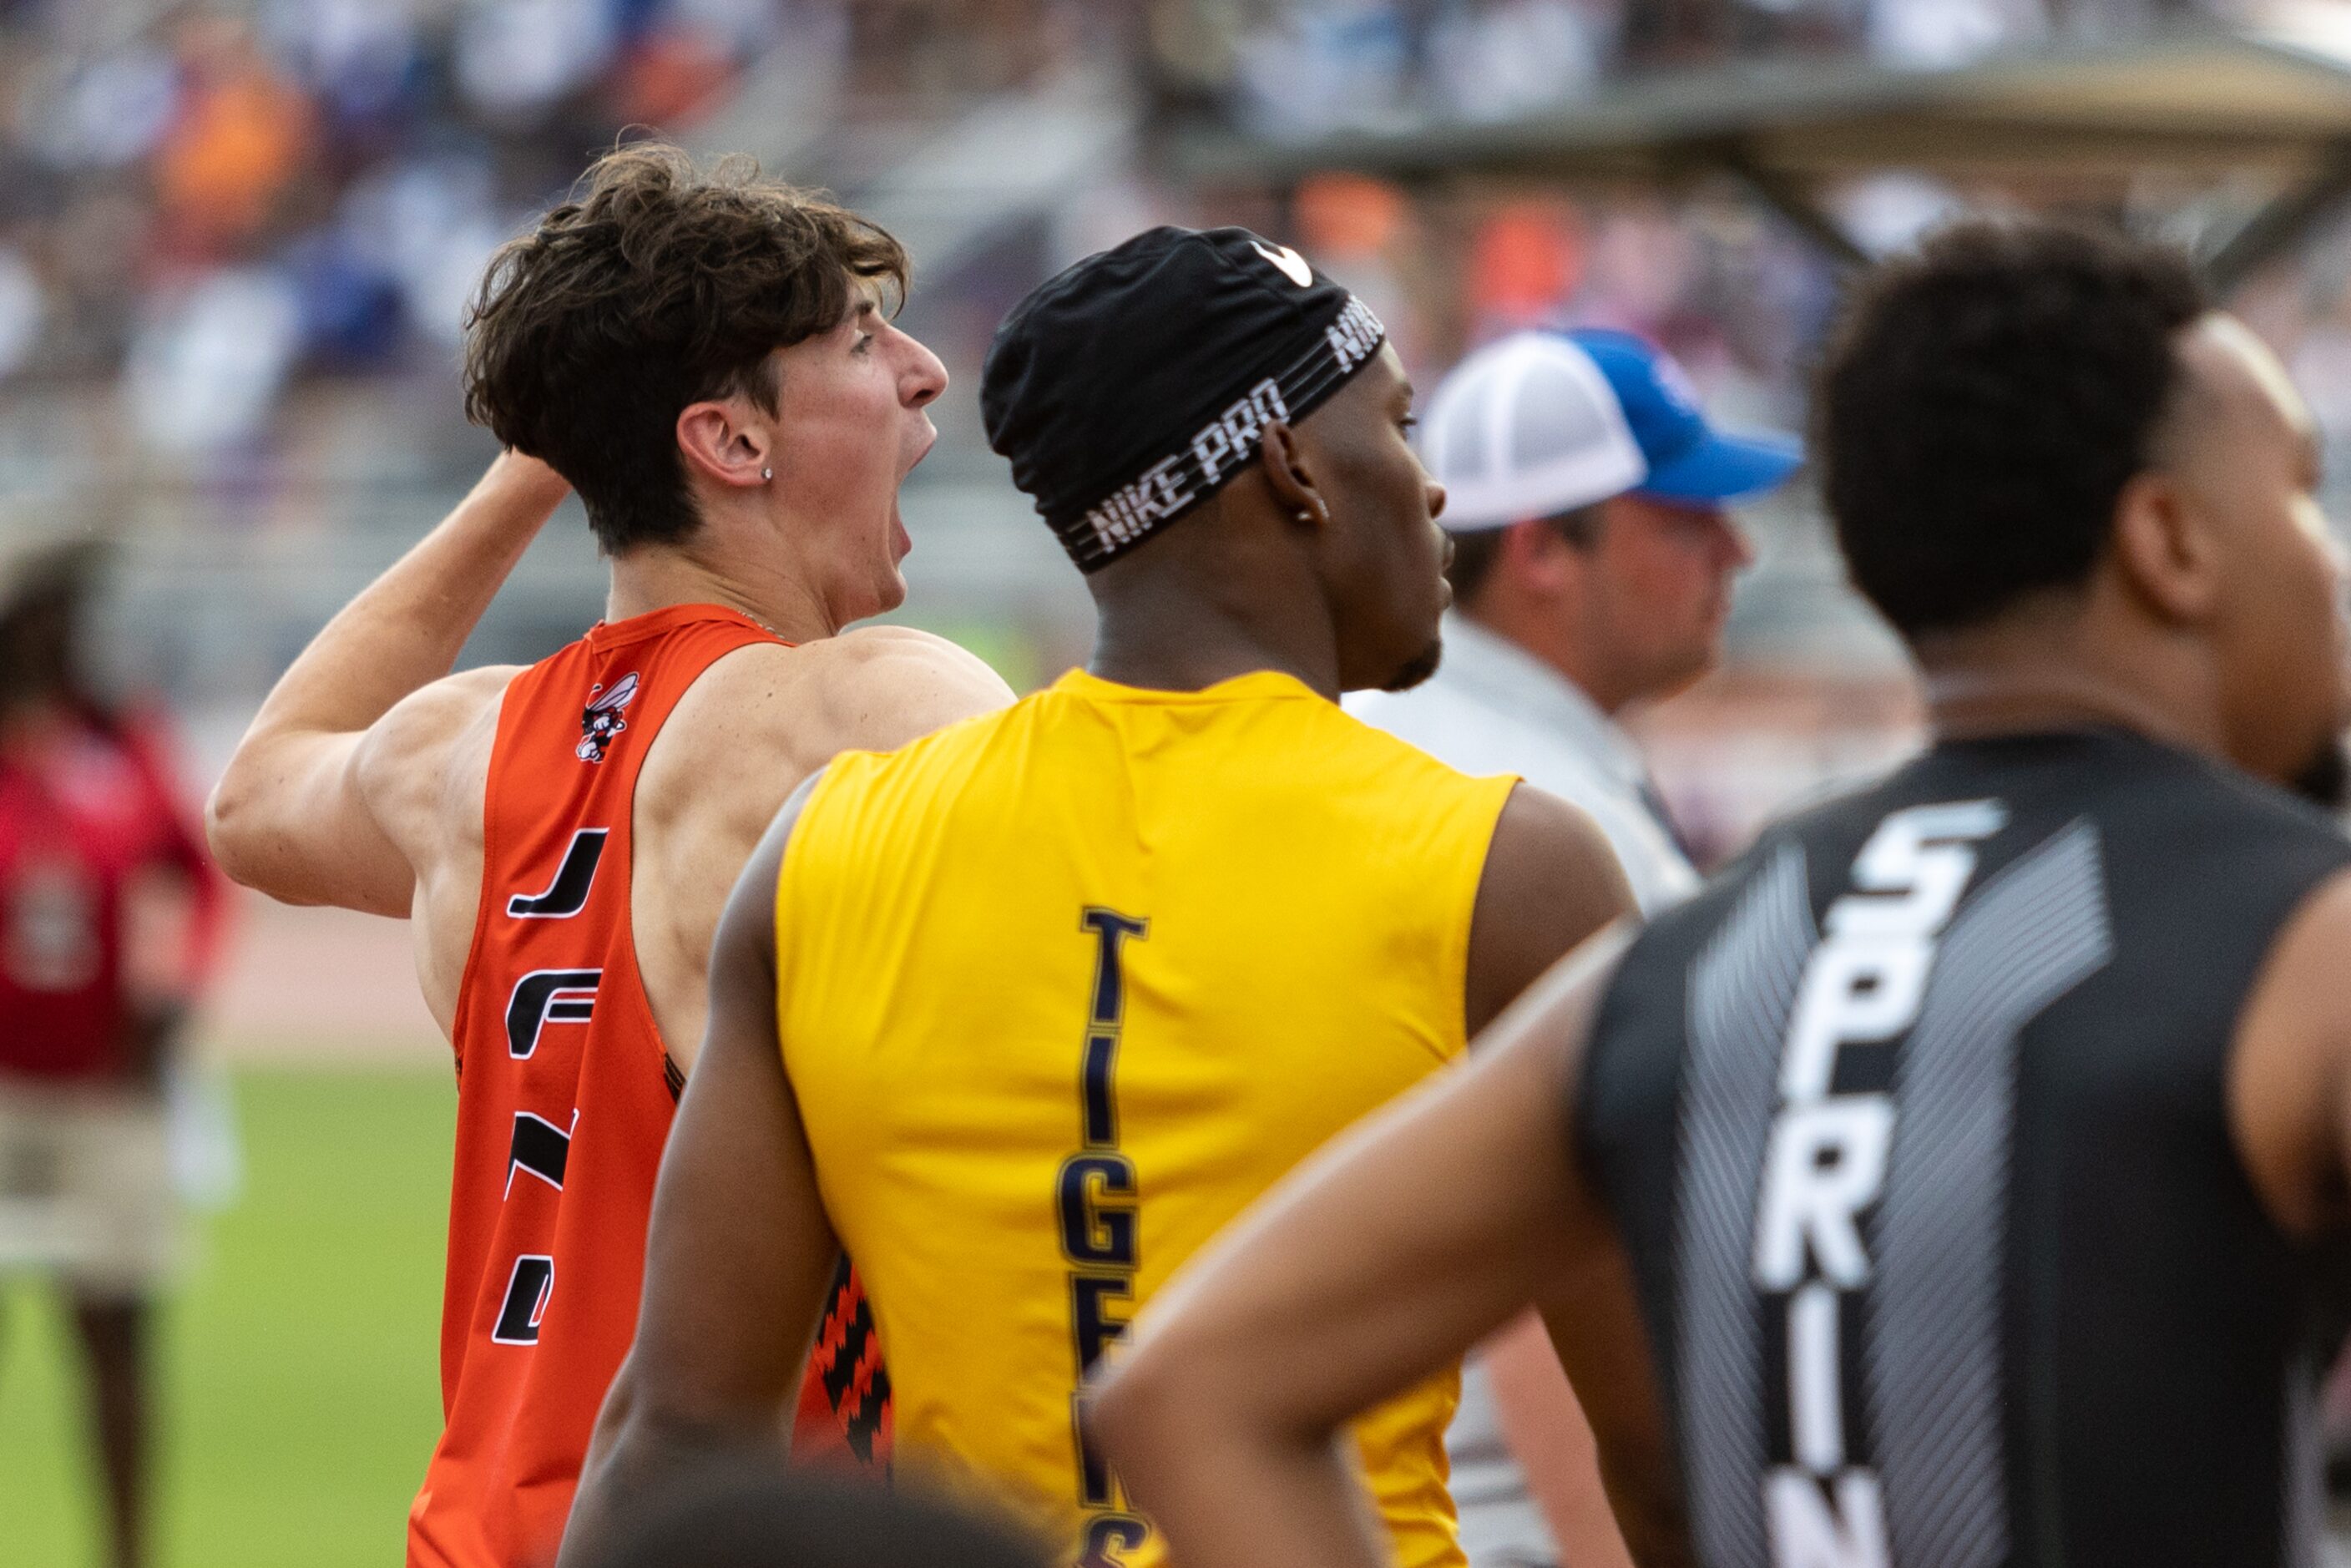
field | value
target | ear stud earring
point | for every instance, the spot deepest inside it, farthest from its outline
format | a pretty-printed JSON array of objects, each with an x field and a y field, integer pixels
[{"x": 765, "y": 475}]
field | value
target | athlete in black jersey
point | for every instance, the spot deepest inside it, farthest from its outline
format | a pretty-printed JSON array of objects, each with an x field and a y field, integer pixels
[{"x": 1955, "y": 1183}]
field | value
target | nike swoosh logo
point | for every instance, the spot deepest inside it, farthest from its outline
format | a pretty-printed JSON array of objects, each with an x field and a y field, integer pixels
[{"x": 1292, "y": 264}]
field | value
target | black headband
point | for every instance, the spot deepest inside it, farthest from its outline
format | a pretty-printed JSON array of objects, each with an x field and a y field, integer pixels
[{"x": 1135, "y": 385}]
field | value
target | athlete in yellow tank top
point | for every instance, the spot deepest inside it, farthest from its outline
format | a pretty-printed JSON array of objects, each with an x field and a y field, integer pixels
[
  {"x": 1076, "y": 982},
  {"x": 1023, "y": 1014}
]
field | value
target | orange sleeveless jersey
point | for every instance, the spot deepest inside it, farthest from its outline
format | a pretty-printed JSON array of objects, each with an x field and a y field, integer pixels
[{"x": 565, "y": 1098}]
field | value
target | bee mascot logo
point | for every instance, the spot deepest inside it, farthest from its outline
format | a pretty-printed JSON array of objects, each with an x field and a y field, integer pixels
[{"x": 601, "y": 721}]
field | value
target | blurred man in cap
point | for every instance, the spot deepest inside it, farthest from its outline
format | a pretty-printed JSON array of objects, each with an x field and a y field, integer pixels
[
  {"x": 94, "y": 845},
  {"x": 1591, "y": 569}
]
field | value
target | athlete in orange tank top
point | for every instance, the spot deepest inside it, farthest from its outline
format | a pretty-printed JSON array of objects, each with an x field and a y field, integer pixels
[
  {"x": 562, "y": 838},
  {"x": 566, "y": 1098}
]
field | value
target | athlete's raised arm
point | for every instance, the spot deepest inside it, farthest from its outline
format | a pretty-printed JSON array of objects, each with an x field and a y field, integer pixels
[
  {"x": 740, "y": 1254},
  {"x": 290, "y": 815},
  {"x": 1385, "y": 1257}
]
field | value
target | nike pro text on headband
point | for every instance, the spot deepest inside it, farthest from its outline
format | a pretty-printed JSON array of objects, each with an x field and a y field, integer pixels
[{"x": 1136, "y": 385}]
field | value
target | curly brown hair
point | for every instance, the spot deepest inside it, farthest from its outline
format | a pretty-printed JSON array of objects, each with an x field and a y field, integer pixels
[{"x": 658, "y": 286}]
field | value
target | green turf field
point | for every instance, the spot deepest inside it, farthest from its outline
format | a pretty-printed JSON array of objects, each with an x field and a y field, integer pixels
[{"x": 300, "y": 1361}]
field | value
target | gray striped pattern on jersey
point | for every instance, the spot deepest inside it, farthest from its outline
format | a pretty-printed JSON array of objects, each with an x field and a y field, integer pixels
[
  {"x": 1931, "y": 1358},
  {"x": 1742, "y": 988}
]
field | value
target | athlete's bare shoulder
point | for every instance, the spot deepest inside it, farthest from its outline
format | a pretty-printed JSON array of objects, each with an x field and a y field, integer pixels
[
  {"x": 888, "y": 685},
  {"x": 2289, "y": 1085},
  {"x": 1549, "y": 881},
  {"x": 872, "y": 689},
  {"x": 758, "y": 722},
  {"x": 766, "y": 717}
]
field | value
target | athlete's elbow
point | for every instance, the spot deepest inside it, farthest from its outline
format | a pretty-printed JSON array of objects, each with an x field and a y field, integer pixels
[
  {"x": 242, "y": 829},
  {"x": 1141, "y": 1410},
  {"x": 651, "y": 1423},
  {"x": 263, "y": 822},
  {"x": 1638, "y": 1476},
  {"x": 1119, "y": 1406},
  {"x": 612, "y": 1422},
  {"x": 632, "y": 1448},
  {"x": 233, "y": 812}
]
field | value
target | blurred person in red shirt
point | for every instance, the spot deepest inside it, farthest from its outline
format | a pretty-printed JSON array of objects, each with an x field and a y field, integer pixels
[{"x": 101, "y": 872}]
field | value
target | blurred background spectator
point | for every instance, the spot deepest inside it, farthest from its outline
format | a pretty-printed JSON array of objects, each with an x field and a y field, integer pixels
[
  {"x": 1592, "y": 568},
  {"x": 98, "y": 850}
]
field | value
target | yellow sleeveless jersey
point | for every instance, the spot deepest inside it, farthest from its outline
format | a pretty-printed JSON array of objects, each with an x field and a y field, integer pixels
[{"x": 1060, "y": 990}]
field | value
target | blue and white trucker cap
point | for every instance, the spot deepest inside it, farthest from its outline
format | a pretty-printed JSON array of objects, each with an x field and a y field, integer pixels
[{"x": 1542, "y": 422}]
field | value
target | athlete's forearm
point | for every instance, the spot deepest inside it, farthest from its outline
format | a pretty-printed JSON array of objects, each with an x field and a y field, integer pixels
[{"x": 407, "y": 627}]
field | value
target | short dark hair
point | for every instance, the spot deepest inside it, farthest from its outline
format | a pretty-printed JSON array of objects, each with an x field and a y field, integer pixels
[
  {"x": 1982, "y": 404},
  {"x": 1476, "y": 551},
  {"x": 658, "y": 286}
]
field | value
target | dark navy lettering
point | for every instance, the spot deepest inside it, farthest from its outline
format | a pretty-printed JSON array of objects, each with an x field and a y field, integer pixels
[{"x": 1095, "y": 1195}]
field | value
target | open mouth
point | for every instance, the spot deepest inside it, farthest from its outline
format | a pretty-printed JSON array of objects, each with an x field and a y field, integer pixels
[
  {"x": 901, "y": 543},
  {"x": 930, "y": 439}
]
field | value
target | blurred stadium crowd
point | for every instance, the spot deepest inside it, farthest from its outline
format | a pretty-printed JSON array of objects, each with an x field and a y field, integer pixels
[
  {"x": 236, "y": 240},
  {"x": 1321, "y": 66},
  {"x": 211, "y": 200}
]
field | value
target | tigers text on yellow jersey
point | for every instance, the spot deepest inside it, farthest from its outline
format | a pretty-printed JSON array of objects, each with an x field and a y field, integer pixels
[{"x": 1060, "y": 990}]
